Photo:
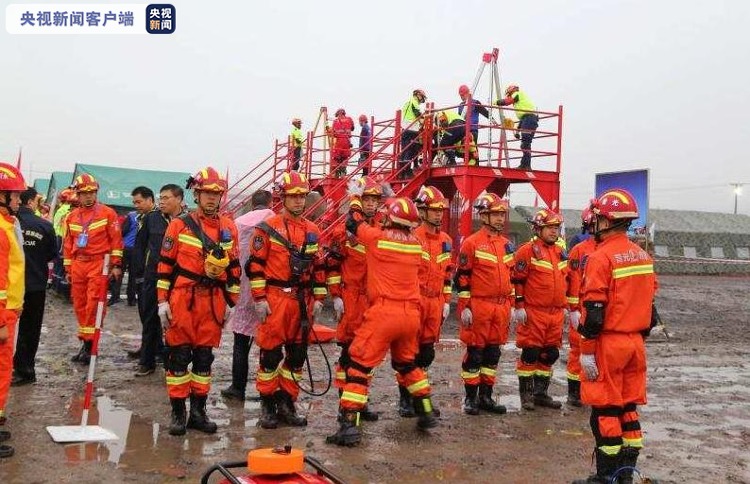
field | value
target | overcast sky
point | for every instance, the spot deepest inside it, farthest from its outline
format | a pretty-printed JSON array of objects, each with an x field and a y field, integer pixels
[{"x": 662, "y": 85}]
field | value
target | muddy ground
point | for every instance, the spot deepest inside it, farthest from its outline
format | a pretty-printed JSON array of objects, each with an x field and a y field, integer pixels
[{"x": 697, "y": 423}]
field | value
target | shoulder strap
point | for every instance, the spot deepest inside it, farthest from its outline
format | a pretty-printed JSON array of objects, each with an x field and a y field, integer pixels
[
  {"x": 195, "y": 228},
  {"x": 272, "y": 232}
]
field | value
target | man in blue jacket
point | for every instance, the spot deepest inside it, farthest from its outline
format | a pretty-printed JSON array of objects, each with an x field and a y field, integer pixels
[{"x": 39, "y": 247}]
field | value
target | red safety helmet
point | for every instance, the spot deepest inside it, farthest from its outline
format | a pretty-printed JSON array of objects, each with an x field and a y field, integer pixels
[
  {"x": 511, "y": 89},
  {"x": 463, "y": 90},
  {"x": 430, "y": 197},
  {"x": 546, "y": 218},
  {"x": 296, "y": 121},
  {"x": 11, "y": 180},
  {"x": 402, "y": 211},
  {"x": 616, "y": 204},
  {"x": 587, "y": 216},
  {"x": 207, "y": 180},
  {"x": 340, "y": 112},
  {"x": 362, "y": 118},
  {"x": 85, "y": 183},
  {"x": 293, "y": 183},
  {"x": 370, "y": 187},
  {"x": 491, "y": 202},
  {"x": 420, "y": 92}
]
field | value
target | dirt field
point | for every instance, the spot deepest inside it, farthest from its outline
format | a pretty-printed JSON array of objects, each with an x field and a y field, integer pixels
[{"x": 697, "y": 423}]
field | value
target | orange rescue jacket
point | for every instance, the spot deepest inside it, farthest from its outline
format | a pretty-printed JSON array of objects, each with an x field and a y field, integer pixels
[
  {"x": 576, "y": 265},
  {"x": 436, "y": 270},
  {"x": 540, "y": 275},
  {"x": 103, "y": 229}
]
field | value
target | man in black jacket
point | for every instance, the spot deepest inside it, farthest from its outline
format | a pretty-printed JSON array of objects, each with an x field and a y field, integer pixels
[
  {"x": 146, "y": 251},
  {"x": 40, "y": 247}
]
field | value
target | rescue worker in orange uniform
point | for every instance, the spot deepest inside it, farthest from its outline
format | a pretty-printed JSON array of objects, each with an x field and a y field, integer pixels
[
  {"x": 91, "y": 231},
  {"x": 576, "y": 265},
  {"x": 394, "y": 257},
  {"x": 540, "y": 277},
  {"x": 288, "y": 283},
  {"x": 618, "y": 314},
  {"x": 484, "y": 302},
  {"x": 341, "y": 129},
  {"x": 347, "y": 272},
  {"x": 12, "y": 277},
  {"x": 198, "y": 285},
  {"x": 435, "y": 275}
]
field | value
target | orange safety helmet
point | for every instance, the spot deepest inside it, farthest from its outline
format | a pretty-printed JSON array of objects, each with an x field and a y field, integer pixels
[
  {"x": 616, "y": 204},
  {"x": 511, "y": 89},
  {"x": 340, "y": 112},
  {"x": 296, "y": 121},
  {"x": 546, "y": 218},
  {"x": 491, "y": 202},
  {"x": 362, "y": 117},
  {"x": 11, "y": 180},
  {"x": 207, "y": 180},
  {"x": 430, "y": 197},
  {"x": 402, "y": 211},
  {"x": 85, "y": 183},
  {"x": 293, "y": 183},
  {"x": 370, "y": 187},
  {"x": 66, "y": 195},
  {"x": 587, "y": 216},
  {"x": 463, "y": 90},
  {"x": 420, "y": 92}
]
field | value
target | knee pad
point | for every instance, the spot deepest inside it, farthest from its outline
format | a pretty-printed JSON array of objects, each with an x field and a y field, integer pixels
[
  {"x": 296, "y": 353},
  {"x": 549, "y": 355},
  {"x": 530, "y": 355},
  {"x": 344, "y": 359},
  {"x": 270, "y": 359},
  {"x": 426, "y": 355},
  {"x": 491, "y": 355},
  {"x": 403, "y": 368},
  {"x": 473, "y": 358},
  {"x": 203, "y": 357},
  {"x": 178, "y": 358}
]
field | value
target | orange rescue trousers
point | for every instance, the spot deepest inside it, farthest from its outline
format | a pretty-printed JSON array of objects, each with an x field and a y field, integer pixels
[
  {"x": 619, "y": 388},
  {"x": 6, "y": 359},
  {"x": 197, "y": 319},
  {"x": 540, "y": 339},
  {"x": 388, "y": 324},
  {"x": 281, "y": 329},
  {"x": 86, "y": 290},
  {"x": 355, "y": 305},
  {"x": 484, "y": 338}
]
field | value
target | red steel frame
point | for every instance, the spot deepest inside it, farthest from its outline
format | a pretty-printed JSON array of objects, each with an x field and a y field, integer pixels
[{"x": 493, "y": 173}]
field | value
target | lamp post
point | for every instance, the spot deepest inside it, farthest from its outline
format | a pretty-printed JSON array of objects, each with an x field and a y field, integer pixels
[{"x": 737, "y": 193}]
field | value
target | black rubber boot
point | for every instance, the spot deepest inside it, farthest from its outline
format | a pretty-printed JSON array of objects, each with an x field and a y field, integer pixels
[
  {"x": 85, "y": 358},
  {"x": 574, "y": 393},
  {"x": 471, "y": 401},
  {"x": 269, "y": 418},
  {"x": 541, "y": 398},
  {"x": 198, "y": 419},
  {"x": 426, "y": 418},
  {"x": 287, "y": 411},
  {"x": 405, "y": 404},
  {"x": 4, "y": 435},
  {"x": 368, "y": 415},
  {"x": 486, "y": 402},
  {"x": 349, "y": 432},
  {"x": 177, "y": 426},
  {"x": 526, "y": 391},
  {"x": 628, "y": 458},
  {"x": 77, "y": 357},
  {"x": 233, "y": 393},
  {"x": 606, "y": 465}
]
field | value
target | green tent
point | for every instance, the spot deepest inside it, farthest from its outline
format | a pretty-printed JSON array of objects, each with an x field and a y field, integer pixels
[
  {"x": 58, "y": 181},
  {"x": 41, "y": 185},
  {"x": 117, "y": 183}
]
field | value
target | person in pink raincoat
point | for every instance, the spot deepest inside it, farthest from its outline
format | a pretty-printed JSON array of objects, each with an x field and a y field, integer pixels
[{"x": 243, "y": 321}]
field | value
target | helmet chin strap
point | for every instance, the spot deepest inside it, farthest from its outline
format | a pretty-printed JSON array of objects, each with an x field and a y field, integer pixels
[{"x": 599, "y": 232}]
